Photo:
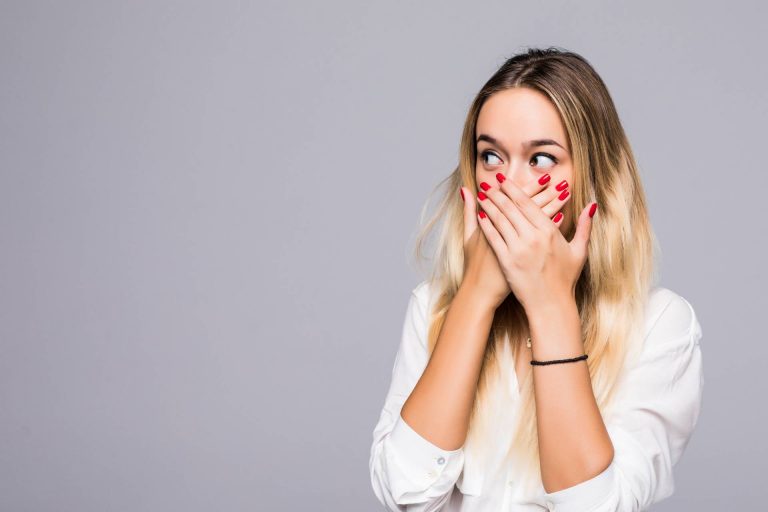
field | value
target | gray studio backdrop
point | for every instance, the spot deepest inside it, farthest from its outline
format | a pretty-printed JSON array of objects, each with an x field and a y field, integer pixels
[{"x": 207, "y": 211}]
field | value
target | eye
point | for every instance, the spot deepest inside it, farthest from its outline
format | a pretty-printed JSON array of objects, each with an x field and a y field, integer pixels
[
  {"x": 488, "y": 153},
  {"x": 547, "y": 155}
]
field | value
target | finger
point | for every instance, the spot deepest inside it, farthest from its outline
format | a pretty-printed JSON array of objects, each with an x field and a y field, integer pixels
[
  {"x": 557, "y": 201},
  {"x": 546, "y": 194},
  {"x": 530, "y": 210},
  {"x": 558, "y": 219},
  {"x": 495, "y": 240},
  {"x": 470, "y": 214},
  {"x": 537, "y": 188},
  {"x": 510, "y": 211},
  {"x": 583, "y": 230},
  {"x": 497, "y": 217}
]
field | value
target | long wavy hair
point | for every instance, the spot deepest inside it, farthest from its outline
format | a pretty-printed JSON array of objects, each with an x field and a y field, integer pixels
[{"x": 613, "y": 287}]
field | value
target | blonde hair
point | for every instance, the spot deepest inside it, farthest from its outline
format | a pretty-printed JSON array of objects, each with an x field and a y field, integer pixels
[{"x": 612, "y": 289}]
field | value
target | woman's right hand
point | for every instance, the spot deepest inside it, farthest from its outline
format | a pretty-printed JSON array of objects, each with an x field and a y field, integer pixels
[{"x": 482, "y": 273}]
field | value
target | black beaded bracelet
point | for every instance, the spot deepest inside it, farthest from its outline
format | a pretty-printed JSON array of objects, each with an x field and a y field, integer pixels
[{"x": 581, "y": 357}]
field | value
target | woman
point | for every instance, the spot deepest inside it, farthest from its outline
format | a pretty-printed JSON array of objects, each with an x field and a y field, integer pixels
[{"x": 540, "y": 367}]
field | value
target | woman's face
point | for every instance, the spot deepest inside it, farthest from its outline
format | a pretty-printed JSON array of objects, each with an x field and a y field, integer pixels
[{"x": 508, "y": 121}]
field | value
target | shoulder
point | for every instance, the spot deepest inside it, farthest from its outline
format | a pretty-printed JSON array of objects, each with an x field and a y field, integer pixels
[
  {"x": 670, "y": 320},
  {"x": 422, "y": 297},
  {"x": 422, "y": 290}
]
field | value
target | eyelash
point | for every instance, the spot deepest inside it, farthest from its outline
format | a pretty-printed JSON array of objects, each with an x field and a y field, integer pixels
[{"x": 551, "y": 157}]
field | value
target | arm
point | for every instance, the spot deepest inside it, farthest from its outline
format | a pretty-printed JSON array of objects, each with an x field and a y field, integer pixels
[
  {"x": 657, "y": 408},
  {"x": 440, "y": 404},
  {"x": 573, "y": 441},
  {"x": 417, "y": 453}
]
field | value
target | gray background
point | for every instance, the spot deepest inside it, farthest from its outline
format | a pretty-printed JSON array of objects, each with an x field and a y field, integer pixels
[{"x": 207, "y": 211}]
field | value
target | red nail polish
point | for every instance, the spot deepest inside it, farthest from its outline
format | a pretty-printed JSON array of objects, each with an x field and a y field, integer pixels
[
  {"x": 544, "y": 179},
  {"x": 500, "y": 177},
  {"x": 461, "y": 191},
  {"x": 484, "y": 185},
  {"x": 481, "y": 196},
  {"x": 562, "y": 185},
  {"x": 482, "y": 214},
  {"x": 592, "y": 210},
  {"x": 558, "y": 217},
  {"x": 563, "y": 195}
]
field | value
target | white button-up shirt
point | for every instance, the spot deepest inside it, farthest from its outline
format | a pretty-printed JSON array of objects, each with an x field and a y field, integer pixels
[{"x": 654, "y": 415}]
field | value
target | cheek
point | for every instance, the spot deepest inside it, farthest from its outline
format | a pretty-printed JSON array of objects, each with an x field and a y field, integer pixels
[
  {"x": 560, "y": 175},
  {"x": 486, "y": 176},
  {"x": 567, "y": 174},
  {"x": 482, "y": 176}
]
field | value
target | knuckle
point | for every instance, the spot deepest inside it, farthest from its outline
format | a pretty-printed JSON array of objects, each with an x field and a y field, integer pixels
[{"x": 551, "y": 230}]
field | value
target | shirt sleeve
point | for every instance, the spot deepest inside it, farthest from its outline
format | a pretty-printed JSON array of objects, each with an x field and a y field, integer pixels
[
  {"x": 408, "y": 472},
  {"x": 656, "y": 411}
]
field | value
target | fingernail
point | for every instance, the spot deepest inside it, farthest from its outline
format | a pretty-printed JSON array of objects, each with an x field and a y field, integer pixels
[
  {"x": 562, "y": 185},
  {"x": 544, "y": 179},
  {"x": 563, "y": 195},
  {"x": 481, "y": 196},
  {"x": 558, "y": 217},
  {"x": 593, "y": 209},
  {"x": 484, "y": 185},
  {"x": 482, "y": 214},
  {"x": 461, "y": 191},
  {"x": 500, "y": 177}
]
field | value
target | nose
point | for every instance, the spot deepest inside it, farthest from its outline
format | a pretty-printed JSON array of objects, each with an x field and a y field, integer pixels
[{"x": 518, "y": 174}]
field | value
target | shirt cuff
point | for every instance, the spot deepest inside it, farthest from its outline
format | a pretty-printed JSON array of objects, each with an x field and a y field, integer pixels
[
  {"x": 422, "y": 461},
  {"x": 583, "y": 496}
]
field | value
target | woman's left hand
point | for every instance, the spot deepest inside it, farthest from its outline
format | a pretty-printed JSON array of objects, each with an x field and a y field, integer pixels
[{"x": 539, "y": 264}]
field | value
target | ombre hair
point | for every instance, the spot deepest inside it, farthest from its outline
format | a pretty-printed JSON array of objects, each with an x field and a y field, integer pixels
[{"x": 613, "y": 288}]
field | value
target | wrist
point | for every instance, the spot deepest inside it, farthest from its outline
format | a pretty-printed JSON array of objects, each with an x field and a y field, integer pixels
[
  {"x": 476, "y": 298},
  {"x": 550, "y": 308},
  {"x": 555, "y": 329}
]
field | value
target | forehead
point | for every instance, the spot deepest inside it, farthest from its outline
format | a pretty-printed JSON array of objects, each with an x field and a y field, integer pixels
[{"x": 518, "y": 114}]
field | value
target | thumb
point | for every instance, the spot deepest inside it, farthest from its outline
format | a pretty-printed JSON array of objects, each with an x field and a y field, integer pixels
[
  {"x": 470, "y": 213},
  {"x": 584, "y": 229}
]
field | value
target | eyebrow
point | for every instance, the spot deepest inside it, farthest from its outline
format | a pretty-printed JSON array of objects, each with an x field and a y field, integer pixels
[{"x": 530, "y": 143}]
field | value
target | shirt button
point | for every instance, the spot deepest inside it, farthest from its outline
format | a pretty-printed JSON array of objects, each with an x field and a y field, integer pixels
[{"x": 440, "y": 460}]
